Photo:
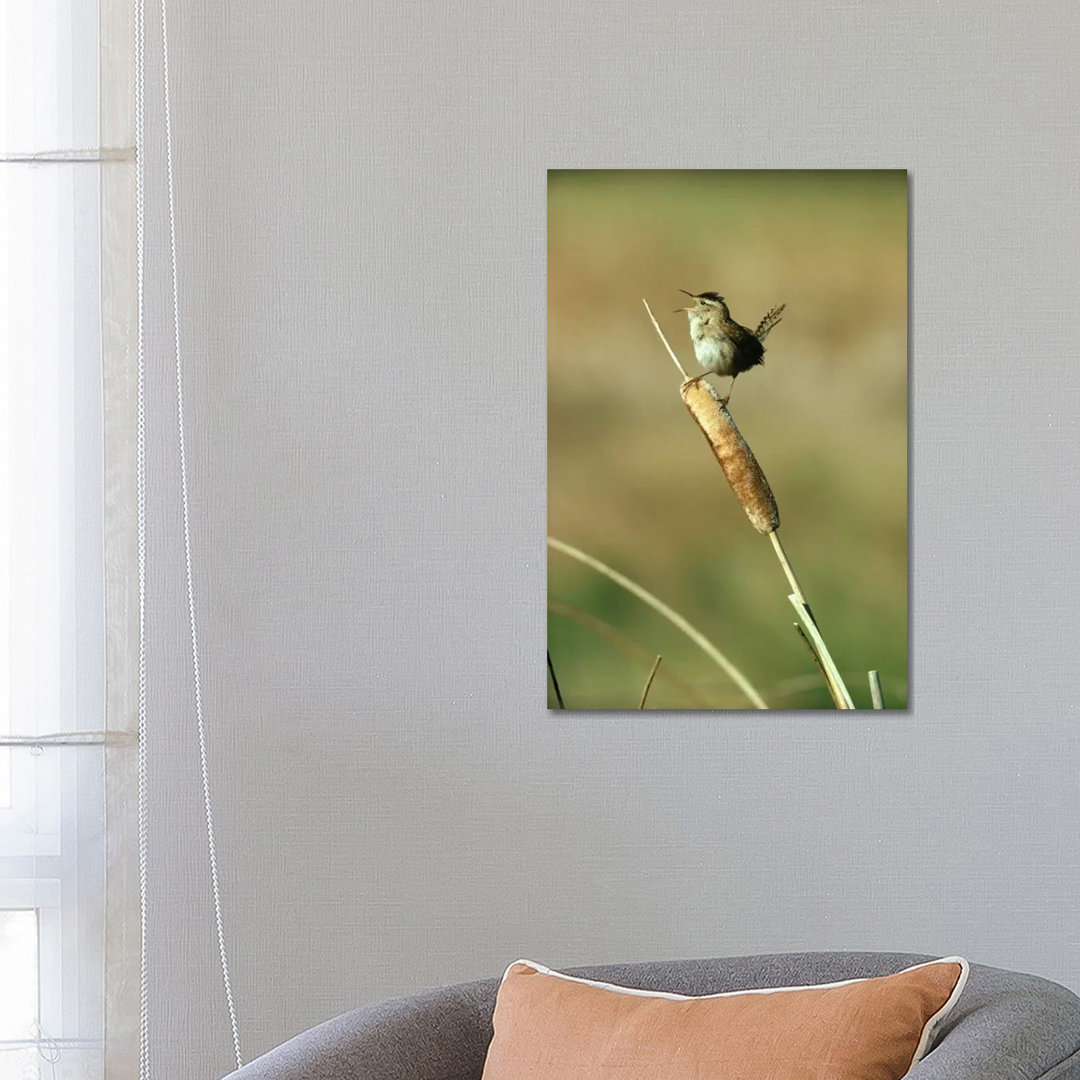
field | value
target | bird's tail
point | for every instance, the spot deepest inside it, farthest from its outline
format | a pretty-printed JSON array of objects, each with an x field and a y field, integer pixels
[{"x": 770, "y": 319}]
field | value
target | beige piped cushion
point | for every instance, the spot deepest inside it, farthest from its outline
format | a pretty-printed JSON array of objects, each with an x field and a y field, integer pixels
[{"x": 550, "y": 1026}]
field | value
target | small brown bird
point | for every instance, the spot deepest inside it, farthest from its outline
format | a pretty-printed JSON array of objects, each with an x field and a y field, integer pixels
[{"x": 721, "y": 345}]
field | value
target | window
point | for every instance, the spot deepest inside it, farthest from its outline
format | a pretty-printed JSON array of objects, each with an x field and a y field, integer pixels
[{"x": 52, "y": 854}]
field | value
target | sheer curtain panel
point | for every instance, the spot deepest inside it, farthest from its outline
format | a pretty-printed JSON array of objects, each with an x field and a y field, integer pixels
[{"x": 64, "y": 727}]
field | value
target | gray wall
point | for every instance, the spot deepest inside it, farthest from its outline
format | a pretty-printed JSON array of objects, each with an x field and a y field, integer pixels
[{"x": 395, "y": 807}]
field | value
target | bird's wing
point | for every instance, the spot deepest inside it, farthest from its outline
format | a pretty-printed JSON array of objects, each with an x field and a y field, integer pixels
[{"x": 749, "y": 344}]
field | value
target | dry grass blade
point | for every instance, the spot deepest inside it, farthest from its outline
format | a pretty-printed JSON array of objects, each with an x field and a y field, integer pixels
[
  {"x": 648, "y": 682},
  {"x": 692, "y": 632}
]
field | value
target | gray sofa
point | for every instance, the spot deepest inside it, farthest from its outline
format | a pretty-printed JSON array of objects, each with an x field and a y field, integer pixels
[{"x": 1006, "y": 1026}]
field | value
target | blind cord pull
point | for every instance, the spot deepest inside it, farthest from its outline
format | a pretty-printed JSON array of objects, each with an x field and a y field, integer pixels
[{"x": 144, "y": 1041}]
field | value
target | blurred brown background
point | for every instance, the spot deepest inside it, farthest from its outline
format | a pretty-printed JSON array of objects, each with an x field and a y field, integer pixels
[{"x": 631, "y": 479}]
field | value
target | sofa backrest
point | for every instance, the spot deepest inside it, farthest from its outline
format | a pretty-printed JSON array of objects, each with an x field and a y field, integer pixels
[{"x": 1006, "y": 1026}]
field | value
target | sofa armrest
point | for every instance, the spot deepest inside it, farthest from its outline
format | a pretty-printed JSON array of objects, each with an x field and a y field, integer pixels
[
  {"x": 440, "y": 1034},
  {"x": 1007, "y": 1026}
]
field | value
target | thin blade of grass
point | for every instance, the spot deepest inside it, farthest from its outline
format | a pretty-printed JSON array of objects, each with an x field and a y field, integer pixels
[
  {"x": 648, "y": 682},
  {"x": 672, "y": 616}
]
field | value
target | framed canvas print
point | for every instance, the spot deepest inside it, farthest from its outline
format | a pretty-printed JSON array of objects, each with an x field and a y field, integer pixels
[{"x": 727, "y": 439}]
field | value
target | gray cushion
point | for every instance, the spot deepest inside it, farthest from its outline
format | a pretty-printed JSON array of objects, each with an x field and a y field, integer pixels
[{"x": 1006, "y": 1026}]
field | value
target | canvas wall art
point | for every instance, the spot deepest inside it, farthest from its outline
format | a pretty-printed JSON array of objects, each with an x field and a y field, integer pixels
[{"x": 727, "y": 440}]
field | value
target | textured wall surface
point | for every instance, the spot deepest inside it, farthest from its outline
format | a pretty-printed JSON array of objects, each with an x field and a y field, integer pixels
[{"x": 394, "y": 806}]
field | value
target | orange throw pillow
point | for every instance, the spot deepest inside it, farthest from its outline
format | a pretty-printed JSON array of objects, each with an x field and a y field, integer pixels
[{"x": 550, "y": 1026}]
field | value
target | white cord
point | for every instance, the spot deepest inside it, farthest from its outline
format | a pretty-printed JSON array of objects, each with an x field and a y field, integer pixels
[
  {"x": 140, "y": 468},
  {"x": 207, "y": 804}
]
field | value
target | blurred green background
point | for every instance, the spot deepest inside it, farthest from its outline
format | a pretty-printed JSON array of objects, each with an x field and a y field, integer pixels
[{"x": 632, "y": 481}]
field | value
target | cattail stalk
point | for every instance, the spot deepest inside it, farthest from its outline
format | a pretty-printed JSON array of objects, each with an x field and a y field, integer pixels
[
  {"x": 747, "y": 481},
  {"x": 828, "y": 666}
]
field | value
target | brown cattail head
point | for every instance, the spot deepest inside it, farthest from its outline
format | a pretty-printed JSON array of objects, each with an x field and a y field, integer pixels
[{"x": 735, "y": 456}]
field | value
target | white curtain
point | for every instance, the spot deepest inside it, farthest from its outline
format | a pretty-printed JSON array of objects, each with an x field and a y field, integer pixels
[{"x": 57, "y": 201}]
